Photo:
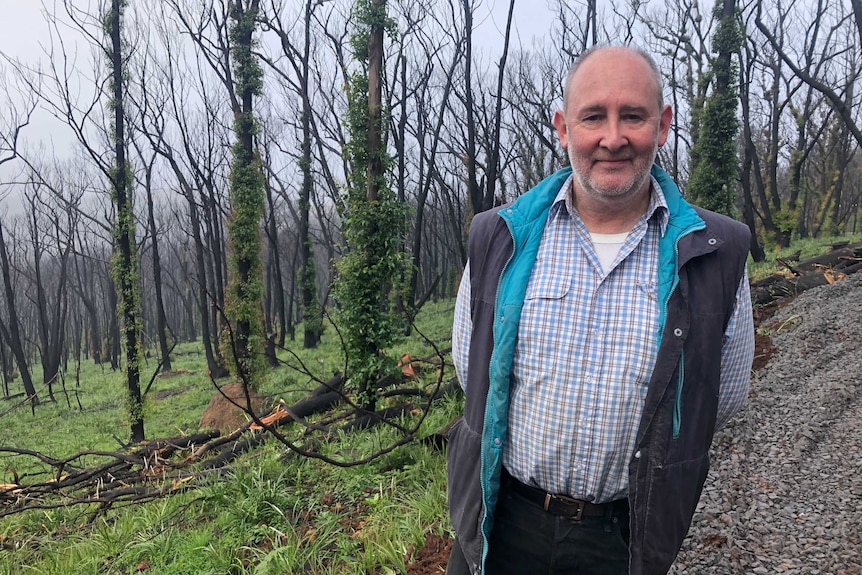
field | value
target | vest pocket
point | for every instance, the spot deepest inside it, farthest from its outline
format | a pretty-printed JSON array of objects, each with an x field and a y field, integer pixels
[
  {"x": 465, "y": 489},
  {"x": 677, "y": 402},
  {"x": 672, "y": 495}
]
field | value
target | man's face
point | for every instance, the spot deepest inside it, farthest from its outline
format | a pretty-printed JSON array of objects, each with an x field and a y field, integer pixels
[{"x": 612, "y": 125}]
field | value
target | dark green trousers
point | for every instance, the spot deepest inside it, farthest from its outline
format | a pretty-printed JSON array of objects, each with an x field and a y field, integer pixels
[{"x": 527, "y": 540}]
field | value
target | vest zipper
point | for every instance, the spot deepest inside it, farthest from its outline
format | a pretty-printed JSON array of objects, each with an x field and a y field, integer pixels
[
  {"x": 677, "y": 404},
  {"x": 485, "y": 424}
]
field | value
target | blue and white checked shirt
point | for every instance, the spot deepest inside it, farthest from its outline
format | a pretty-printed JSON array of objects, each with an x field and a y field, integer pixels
[{"x": 585, "y": 352}]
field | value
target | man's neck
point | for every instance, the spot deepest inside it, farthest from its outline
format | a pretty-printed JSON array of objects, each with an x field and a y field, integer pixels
[{"x": 611, "y": 217}]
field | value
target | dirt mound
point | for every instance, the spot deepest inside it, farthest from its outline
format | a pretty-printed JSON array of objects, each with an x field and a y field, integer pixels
[
  {"x": 223, "y": 415},
  {"x": 431, "y": 559}
]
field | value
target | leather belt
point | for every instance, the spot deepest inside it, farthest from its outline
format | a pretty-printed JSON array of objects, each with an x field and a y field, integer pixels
[{"x": 562, "y": 505}]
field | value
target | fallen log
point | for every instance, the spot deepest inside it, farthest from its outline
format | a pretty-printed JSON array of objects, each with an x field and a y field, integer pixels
[
  {"x": 229, "y": 454},
  {"x": 167, "y": 447},
  {"x": 323, "y": 398},
  {"x": 781, "y": 287},
  {"x": 104, "y": 479},
  {"x": 835, "y": 259},
  {"x": 814, "y": 272}
]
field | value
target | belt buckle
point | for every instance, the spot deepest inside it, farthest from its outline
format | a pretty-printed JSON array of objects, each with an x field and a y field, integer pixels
[{"x": 580, "y": 504}]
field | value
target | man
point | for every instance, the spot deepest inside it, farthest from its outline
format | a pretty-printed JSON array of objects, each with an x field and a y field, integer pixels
[{"x": 603, "y": 331}]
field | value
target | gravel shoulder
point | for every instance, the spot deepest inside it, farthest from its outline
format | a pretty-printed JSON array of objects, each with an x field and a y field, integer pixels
[{"x": 785, "y": 491}]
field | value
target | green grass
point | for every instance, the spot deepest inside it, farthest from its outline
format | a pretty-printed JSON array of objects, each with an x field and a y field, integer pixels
[{"x": 273, "y": 513}]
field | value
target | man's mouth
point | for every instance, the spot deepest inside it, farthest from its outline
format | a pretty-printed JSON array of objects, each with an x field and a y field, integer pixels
[{"x": 612, "y": 161}]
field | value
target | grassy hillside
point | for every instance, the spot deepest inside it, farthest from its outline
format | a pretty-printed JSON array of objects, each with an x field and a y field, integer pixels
[{"x": 271, "y": 513}]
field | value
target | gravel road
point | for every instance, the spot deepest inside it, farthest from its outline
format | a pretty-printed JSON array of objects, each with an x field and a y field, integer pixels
[{"x": 785, "y": 491}]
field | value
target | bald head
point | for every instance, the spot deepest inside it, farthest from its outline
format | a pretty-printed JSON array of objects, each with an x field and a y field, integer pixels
[
  {"x": 612, "y": 127},
  {"x": 592, "y": 51}
]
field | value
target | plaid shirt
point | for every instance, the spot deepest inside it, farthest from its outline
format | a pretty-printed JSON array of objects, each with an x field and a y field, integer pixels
[{"x": 586, "y": 346}]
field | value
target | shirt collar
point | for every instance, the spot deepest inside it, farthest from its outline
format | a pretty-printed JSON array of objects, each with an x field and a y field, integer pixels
[{"x": 564, "y": 203}]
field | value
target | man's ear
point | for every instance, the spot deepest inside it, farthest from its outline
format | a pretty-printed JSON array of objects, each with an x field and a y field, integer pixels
[
  {"x": 560, "y": 125},
  {"x": 664, "y": 124}
]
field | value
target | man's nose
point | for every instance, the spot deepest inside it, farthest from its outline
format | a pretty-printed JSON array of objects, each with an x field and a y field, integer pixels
[{"x": 613, "y": 138}]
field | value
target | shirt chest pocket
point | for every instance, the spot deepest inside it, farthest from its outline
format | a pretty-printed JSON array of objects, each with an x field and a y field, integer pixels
[
  {"x": 544, "y": 306},
  {"x": 550, "y": 287},
  {"x": 544, "y": 317}
]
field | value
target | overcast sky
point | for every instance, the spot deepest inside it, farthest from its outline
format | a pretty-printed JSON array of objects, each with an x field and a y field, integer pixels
[
  {"x": 21, "y": 24},
  {"x": 23, "y": 27}
]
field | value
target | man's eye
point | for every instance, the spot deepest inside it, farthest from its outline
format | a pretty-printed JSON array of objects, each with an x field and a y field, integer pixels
[
  {"x": 632, "y": 118},
  {"x": 592, "y": 118}
]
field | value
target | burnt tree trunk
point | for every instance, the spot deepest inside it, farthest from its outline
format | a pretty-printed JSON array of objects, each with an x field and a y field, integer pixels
[
  {"x": 11, "y": 332},
  {"x": 125, "y": 267}
]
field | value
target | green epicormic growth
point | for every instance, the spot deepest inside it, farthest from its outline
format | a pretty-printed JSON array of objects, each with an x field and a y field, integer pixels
[
  {"x": 244, "y": 340},
  {"x": 712, "y": 184},
  {"x": 372, "y": 268}
]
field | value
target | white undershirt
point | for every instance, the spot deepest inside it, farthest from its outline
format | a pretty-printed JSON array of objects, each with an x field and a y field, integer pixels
[{"x": 607, "y": 247}]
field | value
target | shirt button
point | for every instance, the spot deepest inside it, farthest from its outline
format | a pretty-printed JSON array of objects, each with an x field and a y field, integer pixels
[
  {"x": 677, "y": 332},
  {"x": 712, "y": 241},
  {"x": 497, "y": 441},
  {"x": 638, "y": 454}
]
